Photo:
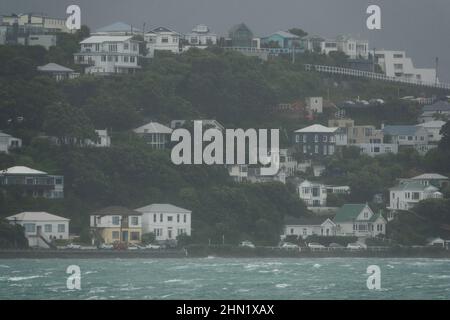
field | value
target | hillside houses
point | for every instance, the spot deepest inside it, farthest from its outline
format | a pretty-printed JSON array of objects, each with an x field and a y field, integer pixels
[
  {"x": 408, "y": 192},
  {"x": 155, "y": 134},
  {"x": 315, "y": 194},
  {"x": 437, "y": 111}
]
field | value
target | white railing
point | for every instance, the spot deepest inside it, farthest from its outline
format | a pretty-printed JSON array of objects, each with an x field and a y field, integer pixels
[{"x": 374, "y": 76}]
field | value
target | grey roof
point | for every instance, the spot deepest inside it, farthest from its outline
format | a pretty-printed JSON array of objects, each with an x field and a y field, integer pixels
[
  {"x": 438, "y": 106},
  {"x": 413, "y": 186},
  {"x": 116, "y": 211},
  {"x": 53, "y": 67},
  {"x": 310, "y": 220},
  {"x": 118, "y": 27},
  {"x": 2, "y": 134},
  {"x": 284, "y": 34},
  {"x": 401, "y": 130},
  {"x": 430, "y": 176},
  {"x": 153, "y": 127},
  {"x": 162, "y": 207},
  {"x": 162, "y": 29}
]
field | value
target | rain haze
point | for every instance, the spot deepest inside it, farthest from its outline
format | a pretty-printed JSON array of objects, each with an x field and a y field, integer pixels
[{"x": 417, "y": 26}]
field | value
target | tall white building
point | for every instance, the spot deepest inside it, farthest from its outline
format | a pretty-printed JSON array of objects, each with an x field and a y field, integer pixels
[
  {"x": 8, "y": 142},
  {"x": 166, "y": 221},
  {"x": 397, "y": 64},
  {"x": 162, "y": 39},
  {"x": 109, "y": 54}
]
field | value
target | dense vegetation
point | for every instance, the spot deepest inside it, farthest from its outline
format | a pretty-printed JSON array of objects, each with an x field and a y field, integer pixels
[{"x": 236, "y": 90}]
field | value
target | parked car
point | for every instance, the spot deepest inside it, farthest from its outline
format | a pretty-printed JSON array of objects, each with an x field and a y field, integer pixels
[
  {"x": 152, "y": 246},
  {"x": 315, "y": 245},
  {"x": 105, "y": 246},
  {"x": 289, "y": 246},
  {"x": 246, "y": 244},
  {"x": 335, "y": 246},
  {"x": 73, "y": 246},
  {"x": 354, "y": 246}
]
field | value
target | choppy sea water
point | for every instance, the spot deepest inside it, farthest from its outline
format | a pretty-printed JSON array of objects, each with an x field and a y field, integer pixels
[{"x": 225, "y": 278}]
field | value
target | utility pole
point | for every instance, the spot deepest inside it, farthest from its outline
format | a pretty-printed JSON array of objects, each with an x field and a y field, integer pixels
[{"x": 436, "y": 76}]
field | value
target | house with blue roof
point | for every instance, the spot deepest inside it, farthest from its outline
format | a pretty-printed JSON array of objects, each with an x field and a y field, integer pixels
[
  {"x": 413, "y": 136},
  {"x": 282, "y": 39}
]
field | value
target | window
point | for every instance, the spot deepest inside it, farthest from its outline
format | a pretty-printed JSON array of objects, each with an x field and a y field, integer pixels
[
  {"x": 125, "y": 59},
  {"x": 398, "y": 56},
  {"x": 178, "y": 218},
  {"x": 398, "y": 66},
  {"x": 181, "y": 231},
  {"x": 103, "y": 58},
  {"x": 304, "y": 138},
  {"x": 132, "y": 59},
  {"x": 161, "y": 217},
  {"x": 154, "y": 217},
  {"x": 157, "y": 232},
  {"x": 316, "y": 138},
  {"x": 58, "y": 181},
  {"x": 305, "y": 231},
  {"x": 29, "y": 227},
  {"x": 316, "y": 149},
  {"x": 115, "y": 220},
  {"x": 165, "y": 40},
  {"x": 134, "y": 236},
  {"x": 416, "y": 196},
  {"x": 115, "y": 235},
  {"x": 169, "y": 218},
  {"x": 48, "y": 228},
  {"x": 126, "y": 46},
  {"x": 292, "y": 230},
  {"x": 184, "y": 219},
  {"x": 305, "y": 149},
  {"x": 61, "y": 228},
  {"x": 134, "y": 221}
]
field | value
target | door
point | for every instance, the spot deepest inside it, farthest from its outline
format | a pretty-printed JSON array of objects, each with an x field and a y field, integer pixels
[
  {"x": 169, "y": 233},
  {"x": 125, "y": 236}
]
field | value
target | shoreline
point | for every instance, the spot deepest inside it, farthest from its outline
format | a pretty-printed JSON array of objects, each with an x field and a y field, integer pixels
[{"x": 257, "y": 254}]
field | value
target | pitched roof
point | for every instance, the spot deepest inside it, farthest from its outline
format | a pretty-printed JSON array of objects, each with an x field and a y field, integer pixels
[
  {"x": 101, "y": 39},
  {"x": 239, "y": 26},
  {"x": 349, "y": 212},
  {"x": 284, "y": 34},
  {"x": 116, "y": 211},
  {"x": 2, "y": 134},
  {"x": 153, "y": 127},
  {"x": 412, "y": 186},
  {"x": 430, "y": 176},
  {"x": 400, "y": 130},
  {"x": 53, "y": 67},
  {"x": 118, "y": 27},
  {"x": 432, "y": 124},
  {"x": 162, "y": 207},
  {"x": 21, "y": 170},
  {"x": 36, "y": 216},
  {"x": 310, "y": 220},
  {"x": 162, "y": 29},
  {"x": 375, "y": 216},
  {"x": 316, "y": 128}
]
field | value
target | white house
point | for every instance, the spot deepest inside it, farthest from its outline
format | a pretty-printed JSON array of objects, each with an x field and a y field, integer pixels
[
  {"x": 200, "y": 37},
  {"x": 435, "y": 179},
  {"x": 315, "y": 194},
  {"x": 103, "y": 141},
  {"x": 8, "y": 142},
  {"x": 433, "y": 128},
  {"x": 58, "y": 72},
  {"x": 352, "y": 47},
  {"x": 41, "y": 227},
  {"x": 397, "y": 64},
  {"x": 166, "y": 221},
  {"x": 409, "y": 192},
  {"x": 375, "y": 149},
  {"x": 307, "y": 226},
  {"x": 109, "y": 54},
  {"x": 162, "y": 39},
  {"x": 155, "y": 134},
  {"x": 359, "y": 220},
  {"x": 436, "y": 111},
  {"x": 405, "y": 135}
]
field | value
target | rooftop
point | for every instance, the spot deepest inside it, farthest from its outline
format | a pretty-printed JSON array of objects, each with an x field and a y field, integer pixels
[
  {"x": 35, "y": 216},
  {"x": 316, "y": 128},
  {"x": 53, "y": 67},
  {"x": 153, "y": 127},
  {"x": 118, "y": 27},
  {"x": 101, "y": 39},
  {"x": 162, "y": 208},
  {"x": 430, "y": 176},
  {"x": 413, "y": 186},
  {"x": 21, "y": 170},
  {"x": 116, "y": 211},
  {"x": 432, "y": 124},
  {"x": 349, "y": 212},
  {"x": 440, "y": 105},
  {"x": 311, "y": 220},
  {"x": 285, "y": 34},
  {"x": 400, "y": 130}
]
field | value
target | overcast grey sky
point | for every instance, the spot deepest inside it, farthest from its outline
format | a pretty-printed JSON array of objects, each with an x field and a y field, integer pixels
[{"x": 421, "y": 27}]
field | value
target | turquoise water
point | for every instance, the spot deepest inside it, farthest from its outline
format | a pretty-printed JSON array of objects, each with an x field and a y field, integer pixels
[{"x": 225, "y": 278}]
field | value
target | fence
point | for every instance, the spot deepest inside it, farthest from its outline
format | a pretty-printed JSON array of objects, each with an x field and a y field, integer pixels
[{"x": 374, "y": 76}]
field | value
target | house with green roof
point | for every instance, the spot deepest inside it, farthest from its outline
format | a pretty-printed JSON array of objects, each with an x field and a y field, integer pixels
[{"x": 359, "y": 220}]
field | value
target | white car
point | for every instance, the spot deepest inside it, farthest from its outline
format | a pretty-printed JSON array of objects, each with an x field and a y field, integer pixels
[
  {"x": 315, "y": 245},
  {"x": 132, "y": 247},
  {"x": 152, "y": 246},
  {"x": 288, "y": 246},
  {"x": 246, "y": 244},
  {"x": 73, "y": 246},
  {"x": 354, "y": 246},
  {"x": 105, "y": 246}
]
